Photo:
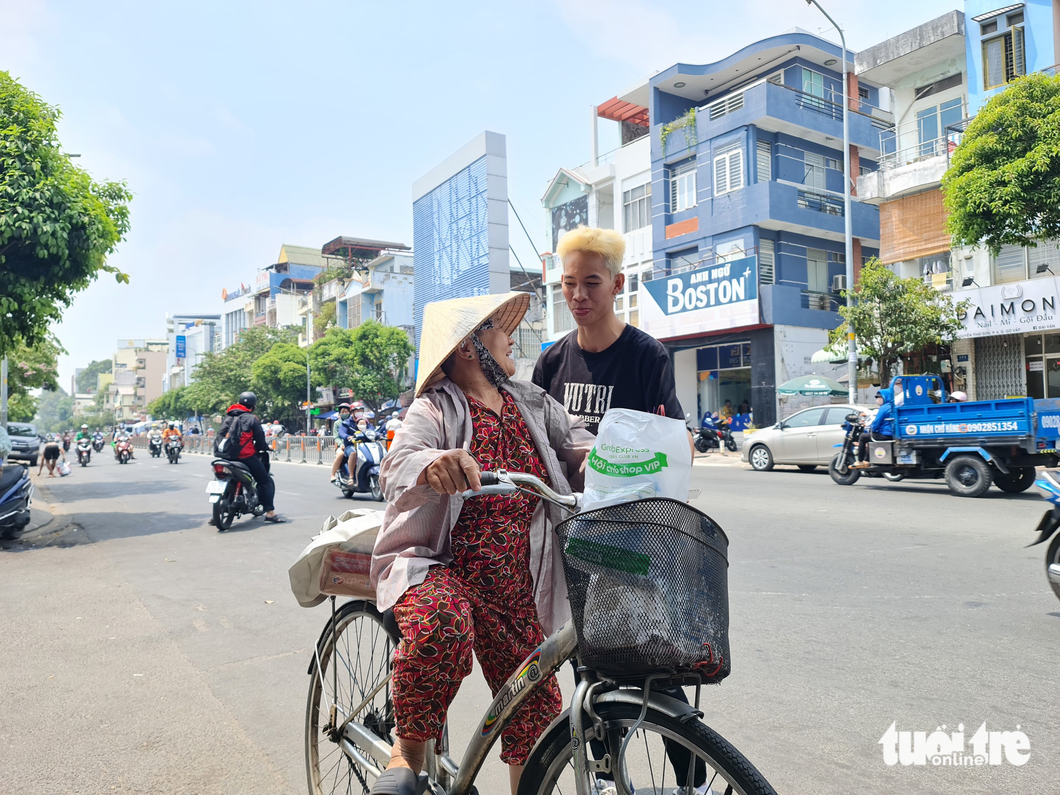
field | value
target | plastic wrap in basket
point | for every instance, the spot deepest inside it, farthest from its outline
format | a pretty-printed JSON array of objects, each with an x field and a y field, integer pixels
[{"x": 648, "y": 587}]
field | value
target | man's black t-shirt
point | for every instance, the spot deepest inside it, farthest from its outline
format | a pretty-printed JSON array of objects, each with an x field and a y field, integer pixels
[{"x": 633, "y": 373}]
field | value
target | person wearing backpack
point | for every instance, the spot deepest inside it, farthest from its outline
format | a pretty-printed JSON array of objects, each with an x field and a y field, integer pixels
[{"x": 241, "y": 438}]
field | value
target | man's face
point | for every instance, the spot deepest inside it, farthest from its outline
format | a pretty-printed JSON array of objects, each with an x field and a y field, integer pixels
[{"x": 589, "y": 288}]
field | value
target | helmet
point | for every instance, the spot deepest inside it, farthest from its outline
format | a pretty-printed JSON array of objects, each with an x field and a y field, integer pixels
[
  {"x": 84, "y": 427},
  {"x": 248, "y": 399},
  {"x": 342, "y": 406},
  {"x": 394, "y": 416},
  {"x": 172, "y": 425},
  {"x": 958, "y": 397}
]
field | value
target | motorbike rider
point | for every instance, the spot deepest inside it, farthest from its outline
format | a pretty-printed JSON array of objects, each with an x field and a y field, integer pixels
[
  {"x": 345, "y": 428},
  {"x": 245, "y": 433},
  {"x": 881, "y": 429},
  {"x": 173, "y": 432},
  {"x": 83, "y": 434}
]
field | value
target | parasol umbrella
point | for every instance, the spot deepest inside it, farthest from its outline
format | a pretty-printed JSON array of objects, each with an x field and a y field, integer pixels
[{"x": 812, "y": 386}]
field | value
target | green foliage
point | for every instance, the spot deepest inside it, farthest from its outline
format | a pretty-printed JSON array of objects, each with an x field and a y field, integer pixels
[
  {"x": 96, "y": 419},
  {"x": 686, "y": 123},
  {"x": 1003, "y": 184},
  {"x": 894, "y": 317},
  {"x": 220, "y": 377},
  {"x": 171, "y": 405},
  {"x": 325, "y": 320},
  {"x": 30, "y": 368},
  {"x": 370, "y": 359},
  {"x": 86, "y": 379},
  {"x": 57, "y": 226},
  {"x": 55, "y": 412},
  {"x": 279, "y": 380}
]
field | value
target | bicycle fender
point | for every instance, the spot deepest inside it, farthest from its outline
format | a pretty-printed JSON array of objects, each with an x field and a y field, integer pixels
[
  {"x": 324, "y": 635},
  {"x": 658, "y": 701}
]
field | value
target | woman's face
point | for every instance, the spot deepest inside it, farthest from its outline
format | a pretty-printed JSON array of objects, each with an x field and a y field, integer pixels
[
  {"x": 589, "y": 288},
  {"x": 499, "y": 345}
]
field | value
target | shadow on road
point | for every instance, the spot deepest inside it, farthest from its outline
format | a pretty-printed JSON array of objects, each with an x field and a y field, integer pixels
[{"x": 67, "y": 491}]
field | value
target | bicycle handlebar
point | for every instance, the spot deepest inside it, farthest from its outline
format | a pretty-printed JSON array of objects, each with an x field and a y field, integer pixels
[{"x": 504, "y": 482}]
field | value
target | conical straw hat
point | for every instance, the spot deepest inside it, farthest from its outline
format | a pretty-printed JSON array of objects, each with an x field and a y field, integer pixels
[{"x": 448, "y": 323}]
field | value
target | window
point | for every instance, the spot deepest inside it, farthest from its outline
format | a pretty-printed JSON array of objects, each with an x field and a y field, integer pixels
[
  {"x": 817, "y": 271},
  {"x": 636, "y": 206},
  {"x": 813, "y": 83},
  {"x": 764, "y": 153},
  {"x": 686, "y": 260},
  {"x": 932, "y": 123},
  {"x": 938, "y": 86},
  {"x": 814, "y": 176},
  {"x": 863, "y": 93},
  {"x": 1015, "y": 19},
  {"x": 728, "y": 170},
  {"x": 834, "y": 164},
  {"x": 683, "y": 186},
  {"x": 766, "y": 260},
  {"x": 988, "y": 27},
  {"x": 562, "y": 319},
  {"x": 1004, "y": 58},
  {"x": 1010, "y": 265},
  {"x": 805, "y": 419}
]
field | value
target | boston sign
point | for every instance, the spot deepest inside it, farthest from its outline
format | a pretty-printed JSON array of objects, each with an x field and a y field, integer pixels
[
  {"x": 720, "y": 296},
  {"x": 1017, "y": 308}
]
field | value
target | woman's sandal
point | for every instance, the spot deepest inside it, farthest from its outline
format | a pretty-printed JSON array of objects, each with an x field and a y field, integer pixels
[
  {"x": 277, "y": 519},
  {"x": 396, "y": 781}
]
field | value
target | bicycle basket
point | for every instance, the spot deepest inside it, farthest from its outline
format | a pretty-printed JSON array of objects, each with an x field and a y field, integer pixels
[{"x": 648, "y": 587}]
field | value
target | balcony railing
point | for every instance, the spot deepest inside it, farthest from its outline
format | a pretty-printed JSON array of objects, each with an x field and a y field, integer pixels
[
  {"x": 821, "y": 202},
  {"x": 921, "y": 139},
  {"x": 824, "y": 302}
]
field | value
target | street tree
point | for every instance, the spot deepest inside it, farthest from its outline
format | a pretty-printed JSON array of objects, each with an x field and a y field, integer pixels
[
  {"x": 370, "y": 359},
  {"x": 279, "y": 380},
  {"x": 893, "y": 318},
  {"x": 55, "y": 411},
  {"x": 87, "y": 378},
  {"x": 1003, "y": 184},
  {"x": 31, "y": 367},
  {"x": 57, "y": 226},
  {"x": 220, "y": 377},
  {"x": 171, "y": 404}
]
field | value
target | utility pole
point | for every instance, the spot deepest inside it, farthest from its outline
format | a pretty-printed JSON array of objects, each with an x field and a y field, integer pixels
[
  {"x": 3, "y": 393},
  {"x": 308, "y": 342},
  {"x": 848, "y": 177}
]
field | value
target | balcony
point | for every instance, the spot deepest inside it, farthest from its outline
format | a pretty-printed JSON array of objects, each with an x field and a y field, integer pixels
[
  {"x": 913, "y": 163},
  {"x": 793, "y": 305},
  {"x": 779, "y": 108}
]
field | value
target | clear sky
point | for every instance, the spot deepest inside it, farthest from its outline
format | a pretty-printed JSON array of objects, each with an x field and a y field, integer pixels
[{"x": 241, "y": 126}]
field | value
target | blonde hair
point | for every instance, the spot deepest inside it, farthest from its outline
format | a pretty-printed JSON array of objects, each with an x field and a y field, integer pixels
[{"x": 608, "y": 243}]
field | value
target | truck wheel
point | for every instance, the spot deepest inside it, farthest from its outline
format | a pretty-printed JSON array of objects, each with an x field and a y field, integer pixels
[
  {"x": 848, "y": 479},
  {"x": 968, "y": 476},
  {"x": 1019, "y": 479},
  {"x": 760, "y": 458}
]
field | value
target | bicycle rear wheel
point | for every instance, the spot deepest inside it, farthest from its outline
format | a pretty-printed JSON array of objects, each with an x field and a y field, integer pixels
[
  {"x": 661, "y": 745},
  {"x": 355, "y": 657}
]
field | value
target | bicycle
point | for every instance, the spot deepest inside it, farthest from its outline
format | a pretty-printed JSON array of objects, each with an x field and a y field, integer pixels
[{"x": 350, "y": 725}]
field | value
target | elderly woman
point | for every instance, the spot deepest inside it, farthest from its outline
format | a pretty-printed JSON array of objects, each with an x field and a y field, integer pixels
[{"x": 481, "y": 575}]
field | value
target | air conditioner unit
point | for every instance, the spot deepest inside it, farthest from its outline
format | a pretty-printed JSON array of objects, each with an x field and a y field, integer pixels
[
  {"x": 819, "y": 302},
  {"x": 839, "y": 282}
]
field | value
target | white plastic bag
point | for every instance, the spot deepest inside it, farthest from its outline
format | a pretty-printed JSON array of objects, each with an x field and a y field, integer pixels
[
  {"x": 637, "y": 456},
  {"x": 64, "y": 469},
  {"x": 338, "y": 561}
]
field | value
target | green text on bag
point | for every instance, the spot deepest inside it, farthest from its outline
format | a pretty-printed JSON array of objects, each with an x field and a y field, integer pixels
[
  {"x": 608, "y": 556},
  {"x": 627, "y": 470}
]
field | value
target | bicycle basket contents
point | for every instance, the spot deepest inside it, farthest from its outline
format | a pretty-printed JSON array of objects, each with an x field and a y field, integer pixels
[{"x": 648, "y": 587}]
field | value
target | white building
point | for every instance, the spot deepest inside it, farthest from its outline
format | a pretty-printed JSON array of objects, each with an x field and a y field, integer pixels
[{"x": 190, "y": 337}]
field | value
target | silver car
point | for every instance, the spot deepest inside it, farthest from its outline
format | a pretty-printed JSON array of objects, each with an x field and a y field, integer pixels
[{"x": 805, "y": 439}]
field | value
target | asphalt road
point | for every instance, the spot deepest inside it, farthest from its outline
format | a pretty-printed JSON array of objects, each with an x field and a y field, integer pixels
[{"x": 144, "y": 652}]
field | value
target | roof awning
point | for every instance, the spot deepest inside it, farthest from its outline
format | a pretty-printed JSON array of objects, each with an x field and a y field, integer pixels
[
  {"x": 996, "y": 13},
  {"x": 619, "y": 110},
  {"x": 832, "y": 354}
]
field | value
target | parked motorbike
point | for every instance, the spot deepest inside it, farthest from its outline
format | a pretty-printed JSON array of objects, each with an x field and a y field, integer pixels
[
  {"x": 1049, "y": 482},
  {"x": 16, "y": 491},
  {"x": 123, "y": 451},
  {"x": 369, "y": 456},
  {"x": 712, "y": 435},
  {"x": 97, "y": 445},
  {"x": 84, "y": 452},
  {"x": 841, "y": 467},
  {"x": 173, "y": 448},
  {"x": 233, "y": 492},
  {"x": 154, "y": 445}
]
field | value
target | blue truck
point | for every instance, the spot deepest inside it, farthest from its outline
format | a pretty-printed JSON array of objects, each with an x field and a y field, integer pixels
[{"x": 971, "y": 444}]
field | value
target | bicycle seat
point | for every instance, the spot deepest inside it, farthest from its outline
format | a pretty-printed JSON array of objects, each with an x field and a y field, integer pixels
[{"x": 390, "y": 624}]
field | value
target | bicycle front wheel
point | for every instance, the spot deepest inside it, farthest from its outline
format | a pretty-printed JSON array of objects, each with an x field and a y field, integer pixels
[
  {"x": 665, "y": 756},
  {"x": 355, "y": 659}
]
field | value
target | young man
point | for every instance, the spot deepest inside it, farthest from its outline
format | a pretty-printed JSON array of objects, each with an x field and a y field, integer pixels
[
  {"x": 605, "y": 363},
  {"x": 608, "y": 364}
]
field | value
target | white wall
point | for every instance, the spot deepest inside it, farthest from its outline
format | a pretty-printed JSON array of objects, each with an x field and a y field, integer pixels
[
  {"x": 794, "y": 347},
  {"x": 686, "y": 377}
]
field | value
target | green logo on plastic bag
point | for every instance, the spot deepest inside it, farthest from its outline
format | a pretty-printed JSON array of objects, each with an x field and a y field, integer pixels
[
  {"x": 608, "y": 556},
  {"x": 627, "y": 470}
]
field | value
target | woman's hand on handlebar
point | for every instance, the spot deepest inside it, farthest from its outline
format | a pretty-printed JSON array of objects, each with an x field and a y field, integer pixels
[{"x": 451, "y": 473}]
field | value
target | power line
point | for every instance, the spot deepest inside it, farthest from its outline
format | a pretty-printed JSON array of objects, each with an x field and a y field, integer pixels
[
  {"x": 529, "y": 278},
  {"x": 532, "y": 244}
]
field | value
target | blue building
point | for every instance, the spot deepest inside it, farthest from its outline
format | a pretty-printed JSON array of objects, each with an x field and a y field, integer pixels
[
  {"x": 747, "y": 215},
  {"x": 1005, "y": 41}
]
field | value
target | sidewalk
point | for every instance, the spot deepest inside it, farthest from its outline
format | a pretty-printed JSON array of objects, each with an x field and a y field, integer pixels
[{"x": 716, "y": 459}]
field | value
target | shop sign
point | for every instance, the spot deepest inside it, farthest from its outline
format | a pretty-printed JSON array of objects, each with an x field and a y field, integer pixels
[
  {"x": 182, "y": 346},
  {"x": 721, "y": 296},
  {"x": 1018, "y": 308}
]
